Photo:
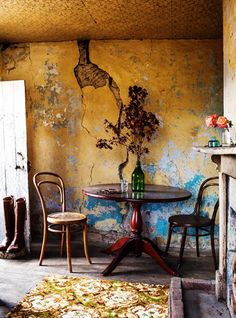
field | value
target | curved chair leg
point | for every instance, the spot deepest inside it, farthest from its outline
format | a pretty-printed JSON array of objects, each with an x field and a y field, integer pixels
[
  {"x": 68, "y": 248},
  {"x": 182, "y": 247},
  {"x": 86, "y": 243},
  {"x": 213, "y": 247},
  {"x": 168, "y": 239},
  {"x": 197, "y": 242},
  {"x": 43, "y": 248},
  {"x": 63, "y": 240}
]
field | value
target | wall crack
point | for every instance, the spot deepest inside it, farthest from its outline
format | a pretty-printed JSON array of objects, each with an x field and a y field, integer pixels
[{"x": 89, "y": 74}]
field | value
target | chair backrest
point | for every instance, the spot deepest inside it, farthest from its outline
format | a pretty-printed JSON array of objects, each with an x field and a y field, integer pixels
[
  {"x": 209, "y": 182},
  {"x": 49, "y": 178}
]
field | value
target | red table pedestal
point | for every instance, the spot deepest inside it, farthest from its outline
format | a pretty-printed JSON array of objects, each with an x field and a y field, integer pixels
[{"x": 135, "y": 244}]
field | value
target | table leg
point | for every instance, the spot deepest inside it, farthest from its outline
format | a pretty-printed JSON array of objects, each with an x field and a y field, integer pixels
[
  {"x": 116, "y": 246},
  {"x": 156, "y": 248},
  {"x": 136, "y": 223},
  {"x": 148, "y": 249},
  {"x": 129, "y": 246}
]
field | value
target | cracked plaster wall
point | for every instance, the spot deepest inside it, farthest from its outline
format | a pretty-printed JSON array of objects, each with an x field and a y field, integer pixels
[{"x": 184, "y": 82}]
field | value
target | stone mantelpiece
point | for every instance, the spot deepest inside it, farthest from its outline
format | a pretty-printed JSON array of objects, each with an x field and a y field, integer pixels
[
  {"x": 221, "y": 151},
  {"x": 225, "y": 159}
]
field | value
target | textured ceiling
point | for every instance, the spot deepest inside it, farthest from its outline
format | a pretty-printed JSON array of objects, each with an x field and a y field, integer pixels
[{"x": 59, "y": 20}]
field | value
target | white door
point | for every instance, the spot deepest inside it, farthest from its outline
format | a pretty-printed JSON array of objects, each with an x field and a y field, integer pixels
[{"x": 13, "y": 147}]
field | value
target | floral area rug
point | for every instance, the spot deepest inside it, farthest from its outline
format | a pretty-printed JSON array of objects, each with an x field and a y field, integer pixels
[{"x": 69, "y": 297}]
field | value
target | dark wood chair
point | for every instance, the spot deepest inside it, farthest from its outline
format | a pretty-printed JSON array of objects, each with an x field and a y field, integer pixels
[
  {"x": 203, "y": 225},
  {"x": 59, "y": 222}
]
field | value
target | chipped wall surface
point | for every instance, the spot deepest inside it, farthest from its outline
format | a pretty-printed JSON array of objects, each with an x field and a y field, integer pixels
[{"x": 184, "y": 82}]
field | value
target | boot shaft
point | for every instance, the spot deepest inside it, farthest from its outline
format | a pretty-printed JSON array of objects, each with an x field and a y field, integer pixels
[
  {"x": 20, "y": 212},
  {"x": 9, "y": 216},
  {"x": 18, "y": 243},
  {"x": 9, "y": 220}
]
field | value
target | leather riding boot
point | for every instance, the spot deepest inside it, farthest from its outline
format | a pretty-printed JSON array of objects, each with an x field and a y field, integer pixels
[
  {"x": 9, "y": 217},
  {"x": 18, "y": 242}
]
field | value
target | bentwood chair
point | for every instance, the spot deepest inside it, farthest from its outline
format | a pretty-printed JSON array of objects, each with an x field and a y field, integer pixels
[
  {"x": 194, "y": 224},
  {"x": 58, "y": 222}
]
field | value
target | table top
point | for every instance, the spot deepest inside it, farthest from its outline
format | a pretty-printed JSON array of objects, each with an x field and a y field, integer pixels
[{"x": 152, "y": 193}]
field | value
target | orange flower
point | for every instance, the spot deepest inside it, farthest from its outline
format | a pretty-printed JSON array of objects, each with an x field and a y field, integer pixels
[{"x": 222, "y": 122}]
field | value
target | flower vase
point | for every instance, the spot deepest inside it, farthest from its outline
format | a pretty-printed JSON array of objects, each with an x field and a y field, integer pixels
[
  {"x": 137, "y": 182},
  {"x": 228, "y": 137}
]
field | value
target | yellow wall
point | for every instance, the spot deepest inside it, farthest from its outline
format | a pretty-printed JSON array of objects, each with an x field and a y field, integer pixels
[{"x": 184, "y": 82}]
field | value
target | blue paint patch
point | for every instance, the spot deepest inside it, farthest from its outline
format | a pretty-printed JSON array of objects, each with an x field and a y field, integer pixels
[
  {"x": 93, "y": 219},
  {"x": 72, "y": 160},
  {"x": 111, "y": 210},
  {"x": 92, "y": 203},
  {"x": 77, "y": 203},
  {"x": 155, "y": 215},
  {"x": 208, "y": 204},
  {"x": 69, "y": 198},
  {"x": 168, "y": 164},
  {"x": 162, "y": 227},
  {"x": 193, "y": 184},
  {"x": 151, "y": 170},
  {"x": 52, "y": 205}
]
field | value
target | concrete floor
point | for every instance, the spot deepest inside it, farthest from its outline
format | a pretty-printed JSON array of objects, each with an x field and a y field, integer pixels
[
  {"x": 20, "y": 276},
  {"x": 202, "y": 304}
]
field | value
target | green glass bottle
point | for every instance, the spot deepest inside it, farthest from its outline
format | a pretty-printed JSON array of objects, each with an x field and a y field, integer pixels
[{"x": 137, "y": 182}]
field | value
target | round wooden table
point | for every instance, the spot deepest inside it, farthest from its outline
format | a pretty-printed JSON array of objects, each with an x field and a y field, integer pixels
[{"x": 135, "y": 243}]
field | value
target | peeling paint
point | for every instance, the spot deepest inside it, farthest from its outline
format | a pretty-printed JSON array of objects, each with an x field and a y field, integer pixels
[
  {"x": 65, "y": 116},
  {"x": 151, "y": 171},
  {"x": 89, "y": 74},
  {"x": 72, "y": 160},
  {"x": 108, "y": 224},
  {"x": 14, "y": 55}
]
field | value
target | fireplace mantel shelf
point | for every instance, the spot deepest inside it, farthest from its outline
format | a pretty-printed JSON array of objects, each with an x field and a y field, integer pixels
[
  {"x": 221, "y": 151},
  {"x": 225, "y": 159}
]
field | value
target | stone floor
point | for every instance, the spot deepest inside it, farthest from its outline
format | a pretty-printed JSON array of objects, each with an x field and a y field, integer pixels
[
  {"x": 203, "y": 304},
  {"x": 20, "y": 276}
]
